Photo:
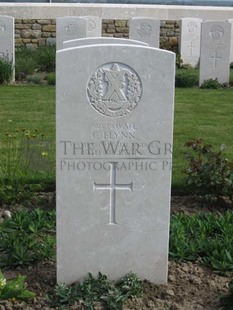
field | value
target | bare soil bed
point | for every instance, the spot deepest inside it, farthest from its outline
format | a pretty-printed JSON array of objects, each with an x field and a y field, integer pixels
[{"x": 190, "y": 285}]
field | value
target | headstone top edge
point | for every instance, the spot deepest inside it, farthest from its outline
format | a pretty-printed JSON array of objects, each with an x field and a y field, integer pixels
[
  {"x": 6, "y": 16},
  {"x": 105, "y": 39},
  {"x": 114, "y": 45}
]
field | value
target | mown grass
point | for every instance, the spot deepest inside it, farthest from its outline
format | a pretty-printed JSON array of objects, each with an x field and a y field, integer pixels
[
  {"x": 198, "y": 113},
  {"x": 201, "y": 113}
]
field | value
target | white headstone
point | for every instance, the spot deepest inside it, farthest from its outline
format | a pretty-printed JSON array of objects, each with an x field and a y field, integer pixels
[
  {"x": 190, "y": 38},
  {"x": 114, "y": 137},
  {"x": 74, "y": 27},
  {"x": 7, "y": 39},
  {"x": 215, "y": 51},
  {"x": 107, "y": 40},
  {"x": 231, "y": 47},
  {"x": 145, "y": 29},
  {"x": 94, "y": 26}
]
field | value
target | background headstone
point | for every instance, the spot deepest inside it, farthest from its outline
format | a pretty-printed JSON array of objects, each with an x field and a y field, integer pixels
[
  {"x": 215, "y": 51},
  {"x": 114, "y": 136},
  {"x": 145, "y": 29},
  {"x": 94, "y": 26},
  {"x": 7, "y": 39},
  {"x": 231, "y": 46},
  {"x": 74, "y": 27},
  {"x": 190, "y": 38},
  {"x": 107, "y": 40},
  {"x": 68, "y": 28}
]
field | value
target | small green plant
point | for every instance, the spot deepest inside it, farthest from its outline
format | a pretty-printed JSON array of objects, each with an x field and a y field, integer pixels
[
  {"x": 96, "y": 290},
  {"x": 27, "y": 237},
  {"x": 14, "y": 288},
  {"x": 203, "y": 237},
  {"x": 6, "y": 71},
  {"x": 227, "y": 300},
  {"x": 186, "y": 78},
  {"x": 51, "y": 78},
  {"x": 211, "y": 84},
  {"x": 45, "y": 57},
  {"x": 24, "y": 157},
  {"x": 25, "y": 63},
  {"x": 208, "y": 173},
  {"x": 34, "y": 79}
]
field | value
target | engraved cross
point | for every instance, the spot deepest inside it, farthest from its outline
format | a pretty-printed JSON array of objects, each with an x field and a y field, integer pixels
[
  {"x": 112, "y": 187},
  {"x": 115, "y": 83},
  {"x": 191, "y": 46},
  {"x": 215, "y": 58}
]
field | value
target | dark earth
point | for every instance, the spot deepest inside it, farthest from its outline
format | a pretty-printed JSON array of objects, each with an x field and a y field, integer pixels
[{"x": 190, "y": 285}]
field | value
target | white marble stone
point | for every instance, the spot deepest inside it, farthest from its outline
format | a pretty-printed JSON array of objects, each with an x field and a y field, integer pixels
[
  {"x": 7, "y": 39},
  {"x": 94, "y": 26},
  {"x": 190, "y": 38},
  {"x": 107, "y": 40},
  {"x": 114, "y": 136},
  {"x": 215, "y": 51},
  {"x": 145, "y": 29},
  {"x": 74, "y": 27},
  {"x": 68, "y": 28},
  {"x": 231, "y": 47}
]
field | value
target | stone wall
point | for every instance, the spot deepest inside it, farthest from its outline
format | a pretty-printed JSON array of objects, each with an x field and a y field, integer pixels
[{"x": 36, "y": 32}]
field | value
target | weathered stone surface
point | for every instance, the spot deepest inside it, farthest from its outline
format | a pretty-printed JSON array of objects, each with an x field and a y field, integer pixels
[
  {"x": 23, "y": 26},
  {"x": 49, "y": 28},
  {"x": 28, "y": 21},
  {"x": 43, "y": 21},
  {"x": 36, "y": 27},
  {"x": 121, "y": 23},
  {"x": 33, "y": 34}
]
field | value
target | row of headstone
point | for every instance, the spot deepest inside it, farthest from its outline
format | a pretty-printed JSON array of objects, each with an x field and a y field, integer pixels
[
  {"x": 208, "y": 44},
  {"x": 114, "y": 150},
  {"x": 73, "y": 27},
  {"x": 7, "y": 39}
]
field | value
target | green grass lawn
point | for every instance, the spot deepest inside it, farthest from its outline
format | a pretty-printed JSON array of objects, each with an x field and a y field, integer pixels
[
  {"x": 201, "y": 113},
  {"x": 198, "y": 113}
]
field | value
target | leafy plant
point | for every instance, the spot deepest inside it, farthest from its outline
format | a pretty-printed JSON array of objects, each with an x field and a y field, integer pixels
[
  {"x": 211, "y": 84},
  {"x": 51, "y": 78},
  {"x": 27, "y": 237},
  {"x": 6, "y": 71},
  {"x": 96, "y": 290},
  {"x": 209, "y": 173},
  {"x": 227, "y": 300},
  {"x": 25, "y": 63},
  {"x": 24, "y": 155},
  {"x": 206, "y": 237},
  {"x": 45, "y": 57},
  {"x": 14, "y": 288},
  {"x": 34, "y": 78},
  {"x": 186, "y": 78}
]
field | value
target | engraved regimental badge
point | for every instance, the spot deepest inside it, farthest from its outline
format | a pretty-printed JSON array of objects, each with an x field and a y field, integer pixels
[
  {"x": 216, "y": 32},
  {"x": 114, "y": 90}
]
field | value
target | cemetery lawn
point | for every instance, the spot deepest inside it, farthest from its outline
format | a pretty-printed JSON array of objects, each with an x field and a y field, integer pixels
[{"x": 199, "y": 113}]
